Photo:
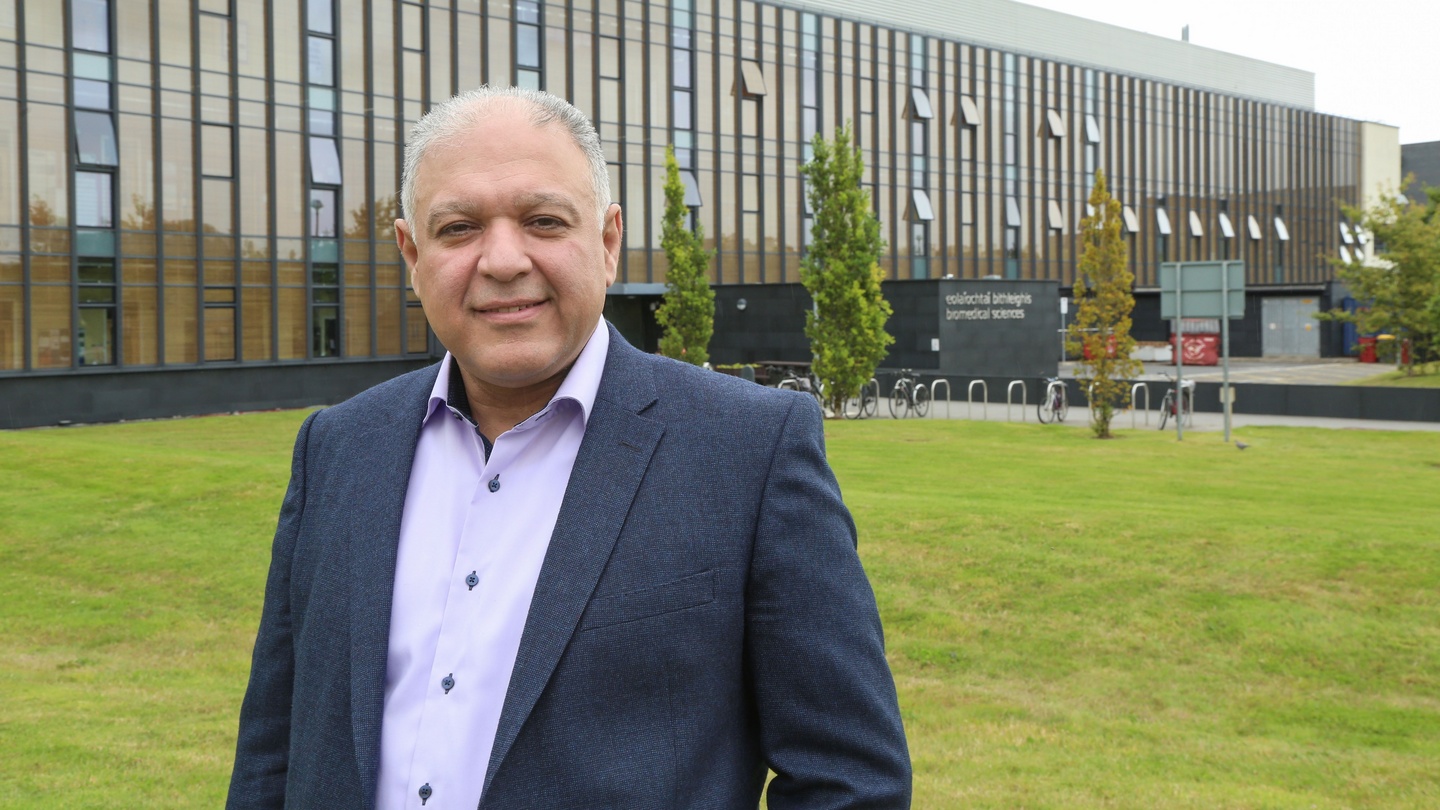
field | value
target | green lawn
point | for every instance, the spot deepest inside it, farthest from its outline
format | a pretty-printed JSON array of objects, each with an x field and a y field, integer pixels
[
  {"x": 1136, "y": 623},
  {"x": 1426, "y": 376}
]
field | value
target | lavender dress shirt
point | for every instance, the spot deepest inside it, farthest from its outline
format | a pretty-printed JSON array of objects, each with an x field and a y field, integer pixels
[{"x": 472, "y": 539}]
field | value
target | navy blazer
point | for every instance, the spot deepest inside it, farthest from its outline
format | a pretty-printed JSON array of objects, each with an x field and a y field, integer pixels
[{"x": 700, "y": 615}]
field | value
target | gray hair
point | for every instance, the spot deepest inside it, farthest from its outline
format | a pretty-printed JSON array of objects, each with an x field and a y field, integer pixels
[{"x": 451, "y": 118}]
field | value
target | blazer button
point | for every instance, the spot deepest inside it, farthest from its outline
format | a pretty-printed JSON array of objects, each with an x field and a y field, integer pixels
[
  {"x": 495, "y": 484},
  {"x": 448, "y": 682},
  {"x": 425, "y": 793}
]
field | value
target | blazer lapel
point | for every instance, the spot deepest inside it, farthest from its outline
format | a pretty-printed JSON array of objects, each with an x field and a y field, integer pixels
[
  {"x": 608, "y": 470},
  {"x": 385, "y": 453}
]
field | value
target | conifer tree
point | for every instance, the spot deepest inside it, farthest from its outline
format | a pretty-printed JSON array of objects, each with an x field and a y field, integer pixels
[
  {"x": 687, "y": 311},
  {"x": 1104, "y": 302},
  {"x": 841, "y": 271}
]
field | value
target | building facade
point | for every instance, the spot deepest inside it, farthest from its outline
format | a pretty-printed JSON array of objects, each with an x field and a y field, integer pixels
[{"x": 199, "y": 194}]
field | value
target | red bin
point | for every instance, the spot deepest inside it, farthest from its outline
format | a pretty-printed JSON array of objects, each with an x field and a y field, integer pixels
[
  {"x": 1367, "y": 350},
  {"x": 1200, "y": 350}
]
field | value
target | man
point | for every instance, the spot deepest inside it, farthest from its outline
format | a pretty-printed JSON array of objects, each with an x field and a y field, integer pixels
[{"x": 553, "y": 571}]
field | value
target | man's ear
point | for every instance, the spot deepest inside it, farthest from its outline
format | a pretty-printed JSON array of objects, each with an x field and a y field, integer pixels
[
  {"x": 405, "y": 240},
  {"x": 612, "y": 237}
]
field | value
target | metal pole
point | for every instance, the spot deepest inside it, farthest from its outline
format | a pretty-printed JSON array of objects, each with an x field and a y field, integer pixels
[
  {"x": 1225, "y": 343},
  {"x": 1179, "y": 354}
]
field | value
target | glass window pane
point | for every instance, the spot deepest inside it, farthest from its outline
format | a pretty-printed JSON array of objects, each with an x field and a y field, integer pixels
[
  {"x": 324, "y": 162},
  {"x": 320, "y": 16},
  {"x": 322, "y": 61},
  {"x": 94, "y": 200},
  {"x": 527, "y": 46},
  {"x": 527, "y": 11},
  {"x": 91, "y": 271},
  {"x": 92, "y": 66},
  {"x": 682, "y": 67},
  {"x": 96, "y": 335},
  {"x": 90, "y": 25},
  {"x": 322, "y": 122},
  {"x": 322, "y": 212},
  {"x": 95, "y": 139},
  {"x": 92, "y": 94},
  {"x": 682, "y": 109}
]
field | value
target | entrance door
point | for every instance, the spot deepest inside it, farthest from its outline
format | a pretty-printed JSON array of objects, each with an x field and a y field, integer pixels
[{"x": 1289, "y": 328}]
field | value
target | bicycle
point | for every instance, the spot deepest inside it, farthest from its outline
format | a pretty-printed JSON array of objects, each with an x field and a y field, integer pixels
[
  {"x": 909, "y": 395},
  {"x": 807, "y": 383},
  {"x": 1187, "y": 402},
  {"x": 864, "y": 404},
  {"x": 1054, "y": 403}
]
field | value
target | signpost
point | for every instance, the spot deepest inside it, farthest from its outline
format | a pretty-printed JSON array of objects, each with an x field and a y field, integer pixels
[{"x": 1202, "y": 290}]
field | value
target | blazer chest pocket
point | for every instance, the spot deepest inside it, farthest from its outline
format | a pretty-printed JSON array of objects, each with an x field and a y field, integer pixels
[{"x": 656, "y": 600}]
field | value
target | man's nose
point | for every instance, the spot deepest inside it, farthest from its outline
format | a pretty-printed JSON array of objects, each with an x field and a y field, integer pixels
[{"x": 502, "y": 251}]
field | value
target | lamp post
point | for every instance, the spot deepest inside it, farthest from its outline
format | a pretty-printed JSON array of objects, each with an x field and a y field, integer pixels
[{"x": 317, "y": 204}]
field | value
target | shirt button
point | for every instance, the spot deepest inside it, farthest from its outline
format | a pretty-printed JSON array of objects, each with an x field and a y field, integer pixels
[
  {"x": 425, "y": 792},
  {"x": 472, "y": 580},
  {"x": 448, "y": 682},
  {"x": 495, "y": 484}
]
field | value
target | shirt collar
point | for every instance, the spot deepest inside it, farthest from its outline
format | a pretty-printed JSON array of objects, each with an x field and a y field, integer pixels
[{"x": 580, "y": 385}]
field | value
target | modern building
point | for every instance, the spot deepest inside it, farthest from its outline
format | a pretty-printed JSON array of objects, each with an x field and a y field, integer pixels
[
  {"x": 196, "y": 196},
  {"x": 1423, "y": 161}
]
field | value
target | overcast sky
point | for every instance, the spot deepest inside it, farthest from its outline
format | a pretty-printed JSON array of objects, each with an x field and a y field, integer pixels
[{"x": 1373, "y": 60}]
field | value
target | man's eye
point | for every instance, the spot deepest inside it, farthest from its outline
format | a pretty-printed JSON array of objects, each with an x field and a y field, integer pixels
[
  {"x": 454, "y": 228},
  {"x": 547, "y": 223}
]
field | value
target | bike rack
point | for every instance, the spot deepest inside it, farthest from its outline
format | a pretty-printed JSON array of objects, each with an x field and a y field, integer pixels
[
  {"x": 1023, "y": 405},
  {"x": 934, "y": 393},
  {"x": 984, "y": 403},
  {"x": 788, "y": 385},
  {"x": 1137, "y": 387}
]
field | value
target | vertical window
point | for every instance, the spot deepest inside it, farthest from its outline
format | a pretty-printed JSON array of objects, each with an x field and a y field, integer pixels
[
  {"x": 95, "y": 332},
  {"x": 324, "y": 310},
  {"x": 528, "y": 40}
]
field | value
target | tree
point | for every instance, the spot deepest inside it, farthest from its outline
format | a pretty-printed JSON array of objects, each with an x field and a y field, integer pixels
[
  {"x": 841, "y": 271},
  {"x": 1398, "y": 290},
  {"x": 1104, "y": 301},
  {"x": 687, "y": 312}
]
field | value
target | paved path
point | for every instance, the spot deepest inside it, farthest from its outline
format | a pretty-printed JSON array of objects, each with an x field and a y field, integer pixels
[
  {"x": 1079, "y": 417},
  {"x": 1279, "y": 370}
]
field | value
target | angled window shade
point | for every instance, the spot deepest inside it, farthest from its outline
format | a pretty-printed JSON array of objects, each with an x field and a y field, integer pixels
[
  {"x": 1012, "y": 212},
  {"x": 1254, "y": 227},
  {"x": 1282, "y": 232},
  {"x": 920, "y": 105},
  {"x": 752, "y": 79},
  {"x": 1132, "y": 222},
  {"x": 1162, "y": 221},
  {"x": 920, "y": 210},
  {"x": 1345, "y": 235},
  {"x": 1197, "y": 229},
  {"x": 969, "y": 113},
  {"x": 1226, "y": 228},
  {"x": 1055, "y": 217},
  {"x": 1092, "y": 129},
  {"x": 1057, "y": 124}
]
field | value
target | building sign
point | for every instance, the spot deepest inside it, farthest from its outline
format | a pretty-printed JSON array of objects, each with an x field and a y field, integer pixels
[{"x": 995, "y": 328}]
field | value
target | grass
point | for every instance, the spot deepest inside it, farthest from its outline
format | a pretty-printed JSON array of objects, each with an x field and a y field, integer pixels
[
  {"x": 1072, "y": 623},
  {"x": 1427, "y": 375}
]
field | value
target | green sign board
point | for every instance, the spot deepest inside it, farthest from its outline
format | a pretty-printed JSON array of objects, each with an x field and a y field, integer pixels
[{"x": 1206, "y": 286}]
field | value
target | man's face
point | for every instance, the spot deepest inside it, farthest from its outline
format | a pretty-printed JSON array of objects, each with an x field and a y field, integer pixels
[{"x": 504, "y": 250}]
